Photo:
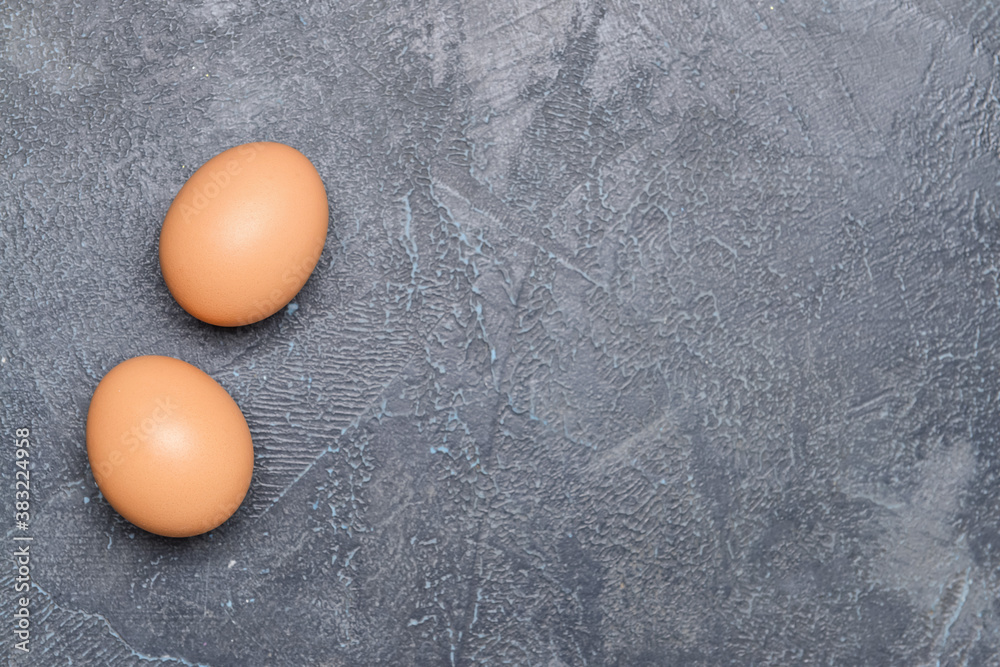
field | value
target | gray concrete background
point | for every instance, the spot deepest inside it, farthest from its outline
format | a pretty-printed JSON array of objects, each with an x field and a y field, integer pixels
[{"x": 646, "y": 333}]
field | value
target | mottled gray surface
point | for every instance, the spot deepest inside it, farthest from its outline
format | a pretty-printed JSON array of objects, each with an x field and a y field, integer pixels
[{"x": 646, "y": 333}]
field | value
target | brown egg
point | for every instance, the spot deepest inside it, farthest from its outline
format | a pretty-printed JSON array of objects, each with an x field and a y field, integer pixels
[
  {"x": 169, "y": 448},
  {"x": 244, "y": 233}
]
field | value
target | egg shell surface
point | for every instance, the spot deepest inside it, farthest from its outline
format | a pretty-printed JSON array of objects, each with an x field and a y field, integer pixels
[
  {"x": 169, "y": 448},
  {"x": 244, "y": 233}
]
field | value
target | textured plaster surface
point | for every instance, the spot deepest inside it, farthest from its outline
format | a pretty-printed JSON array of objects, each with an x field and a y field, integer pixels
[{"x": 646, "y": 333}]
